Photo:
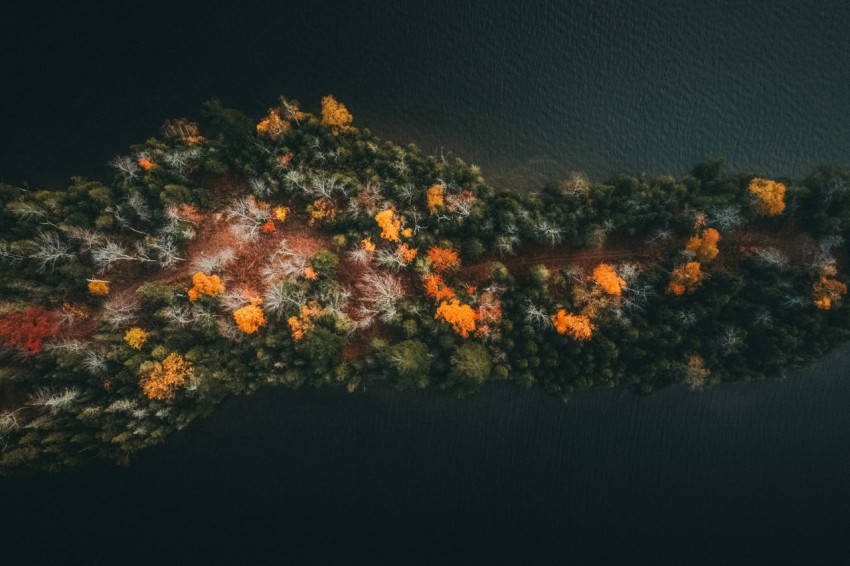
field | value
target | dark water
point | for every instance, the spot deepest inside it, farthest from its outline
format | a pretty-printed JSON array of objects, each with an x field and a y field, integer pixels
[{"x": 749, "y": 473}]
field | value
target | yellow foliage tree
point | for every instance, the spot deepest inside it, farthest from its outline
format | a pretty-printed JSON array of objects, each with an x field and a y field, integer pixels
[
  {"x": 98, "y": 287},
  {"x": 434, "y": 195},
  {"x": 576, "y": 326},
  {"x": 335, "y": 115},
  {"x": 203, "y": 284},
  {"x": 368, "y": 245},
  {"x": 704, "y": 246},
  {"x": 685, "y": 278},
  {"x": 250, "y": 318},
  {"x": 606, "y": 277},
  {"x": 136, "y": 338},
  {"x": 461, "y": 317},
  {"x": 827, "y": 291},
  {"x": 280, "y": 213},
  {"x": 159, "y": 381},
  {"x": 390, "y": 226},
  {"x": 321, "y": 208},
  {"x": 770, "y": 195}
]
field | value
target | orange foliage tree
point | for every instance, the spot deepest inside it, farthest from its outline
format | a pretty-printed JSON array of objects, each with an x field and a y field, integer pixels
[
  {"x": 98, "y": 287},
  {"x": 390, "y": 226},
  {"x": 704, "y": 246},
  {"x": 299, "y": 325},
  {"x": 436, "y": 288},
  {"x": 685, "y": 278},
  {"x": 203, "y": 284},
  {"x": 461, "y": 317},
  {"x": 335, "y": 115},
  {"x": 250, "y": 318},
  {"x": 406, "y": 254},
  {"x": 25, "y": 330},
  {"x": 146, "y": 164},
  {"x": 159, "y": 381},
  {"x": 273, "y": 126},
  {"x": 576, "y": 326},
  {"x": 826, "y": 291},
  {"x": 605, "y": 276},
  {"x": 368, "y": 245},
  {"x": 443, "y": 259},
  {"x": 770, "y": 195},
  {"x": 434, "y": 197}
]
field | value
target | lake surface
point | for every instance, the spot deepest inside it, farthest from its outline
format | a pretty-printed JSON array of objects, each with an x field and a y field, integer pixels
[{"x": 746, "y": 473}]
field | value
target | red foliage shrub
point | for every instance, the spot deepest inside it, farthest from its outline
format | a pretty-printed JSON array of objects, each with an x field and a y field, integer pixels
[{"x": 25, "y": 330}]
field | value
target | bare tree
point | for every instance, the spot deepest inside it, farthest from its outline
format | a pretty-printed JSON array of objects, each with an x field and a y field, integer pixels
[
  {"x": 54, "y": 400},
  {"x": 127, "y": 167},
  {"x": 536, "y": 316},
  {"x": 50, "y": 249},
  {"x": 215, "y": 263},
  {"x": 379, "y": 294},
  {"x": 249, "y": 218},
  {"x": 120, "y": 311}
]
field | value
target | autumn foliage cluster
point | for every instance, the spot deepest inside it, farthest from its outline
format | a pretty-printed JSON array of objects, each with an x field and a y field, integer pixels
[
  {"x": 436, "y": 288},
  {"x": 299, "y": 325},
  {"x": 250, "y": 318},
  {"x": 98, "y": 287},
  {"x": 160, "y": 380},
  {"x": 434, "y": 197},
  {"x": 389, "y": 224},
  {"x": 462, "y": 317},
  {"x": 336, "y": 115},
  {"x": 443, "y": 259},
  {"x": 25, "y": 330},
  {"x": 769, "y": 194},
  {"x": 203, "y": 284},
  {"x": 136, "y": 338},
  {"x": 576, "y": 326},
  {"x": 827, "y": 290},
  {"x": 606, "y": 277},
  {"x": 685, "y": 278},
  {"x": 704, "y": 245}
]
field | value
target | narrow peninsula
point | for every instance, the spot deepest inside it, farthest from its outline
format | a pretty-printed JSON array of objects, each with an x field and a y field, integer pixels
[{"x": 302, "y": 251}]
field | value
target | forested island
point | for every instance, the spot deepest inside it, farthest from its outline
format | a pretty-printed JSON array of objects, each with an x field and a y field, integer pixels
[{"x": 300, "y": 250}]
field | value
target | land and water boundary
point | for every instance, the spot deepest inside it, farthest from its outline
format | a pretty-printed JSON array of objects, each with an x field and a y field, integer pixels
[{"x": 298, "y": 250}]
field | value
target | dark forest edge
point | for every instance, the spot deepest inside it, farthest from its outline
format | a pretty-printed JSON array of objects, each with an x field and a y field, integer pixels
[{"x": 303, "y": 251}]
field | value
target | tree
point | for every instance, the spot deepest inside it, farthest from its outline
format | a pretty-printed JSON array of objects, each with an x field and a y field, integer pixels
[
  {"x": 98, "y": 287},
  {"x": 606, "y": 277},
  {"x": 704, "y": 246},
  {"x": 770, "y": 196},
  {"x": 203, "y": 284},
  {"x": 25, "y": 330},
  {"x": 136, "y": 338},
  {"x": 443, "y": 259},
  {"x": 390, "y": 226},
  {"x": 434, "y": 197},
  {"x": 250, "y": 318},
  {"x": 160, "y": 381},
  {"x": 471, "y": 364},
  {"x": 576, "y": 326},
  {"x": 335, "y": 115},
  {"x": 827, "y": 290},
  {"x": 410, "y": 362},
  {"x": 685, "y": 278},
  {"x": 461, "y": 317},
  {"x": 437, "y": 288}
]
